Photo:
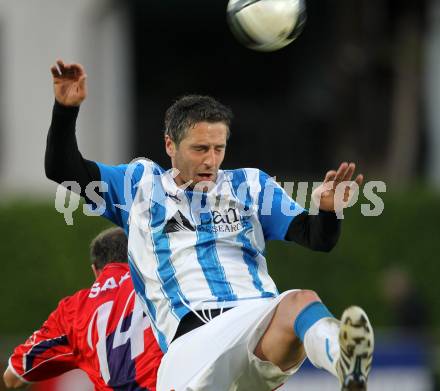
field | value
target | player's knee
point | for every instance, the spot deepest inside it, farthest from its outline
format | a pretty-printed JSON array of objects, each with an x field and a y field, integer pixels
[
  {"x": 308, "y": 296},
  {"x": 290, "y": 307},
  {"x": 301, "y": 298}
]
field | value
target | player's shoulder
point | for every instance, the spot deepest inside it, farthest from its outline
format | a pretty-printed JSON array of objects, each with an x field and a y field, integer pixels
[
  {"x": 71, "y": 304},
  {"x": 144, "y": 166},
  {"x": 79, "y": 296},
  {"x": 134, "y": 170},
  {"x": 145, "y": 162},
  {"x": 72, "y": 299},
  {"x": 64, "y": 315},
  {"x": 246, "y": 173},
  {"x": 250, "y": 175},
  {"x": 76, "y": 302}
]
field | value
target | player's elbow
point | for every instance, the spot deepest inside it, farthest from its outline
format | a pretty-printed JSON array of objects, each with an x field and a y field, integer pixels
[
  {"x": 50, "y": 170},
  {"x": 325, "y": 246},
  {"x": 11, "y": 381},
  {"x": 53, "y": 172},
  {"x": 54, "y": 164},
  {"x": 326, "y": 242}
]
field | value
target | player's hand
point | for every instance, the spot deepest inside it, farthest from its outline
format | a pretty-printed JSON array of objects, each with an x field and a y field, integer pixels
[
  {"x": 338, "y": 188},
  {"x": 69, "y": 83}
]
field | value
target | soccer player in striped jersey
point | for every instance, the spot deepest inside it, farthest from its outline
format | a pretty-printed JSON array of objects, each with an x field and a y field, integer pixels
[
  {"x": 101, "y": 330},
  {"x": 197, "y": 237}
]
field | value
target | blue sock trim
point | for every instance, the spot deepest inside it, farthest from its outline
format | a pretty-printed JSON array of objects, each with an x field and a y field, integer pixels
[
  {"x": 327, "y": 350},
  {"x": 309, "y": 316}
]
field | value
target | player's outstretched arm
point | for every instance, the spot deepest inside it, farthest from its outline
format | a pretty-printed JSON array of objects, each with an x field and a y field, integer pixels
[
  {"x": 30, "y": 362},
  {"x": 63, "y": 160},
  {"x": 321, "y": 232},
  {"x": 317, "y": 232},
  {"x": 289, "y": 221},
  {"x": 11, "y": 380}
]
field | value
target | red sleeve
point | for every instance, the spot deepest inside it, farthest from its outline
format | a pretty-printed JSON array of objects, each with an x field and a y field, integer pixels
[{"x": 47, "y": 352}]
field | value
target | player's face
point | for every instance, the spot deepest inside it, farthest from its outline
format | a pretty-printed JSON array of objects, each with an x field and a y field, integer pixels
[{"x": 199, "y": 155}]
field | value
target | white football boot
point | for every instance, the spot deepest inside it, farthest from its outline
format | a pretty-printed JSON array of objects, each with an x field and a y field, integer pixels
[{"x": 356, "y": 342}]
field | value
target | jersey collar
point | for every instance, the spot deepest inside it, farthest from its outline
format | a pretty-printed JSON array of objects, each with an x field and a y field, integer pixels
[{"x": 173, "y": 190}]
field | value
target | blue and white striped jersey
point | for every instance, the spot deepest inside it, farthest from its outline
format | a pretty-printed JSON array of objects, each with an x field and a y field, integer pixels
[{"x": 196, "y": 250}]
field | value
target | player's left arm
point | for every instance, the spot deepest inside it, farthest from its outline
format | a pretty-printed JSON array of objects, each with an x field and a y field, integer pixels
[
  {"x": 45, "y": 354},
  {"x": 321, "y": 232},
  {"x": 317, "y": 232},
  {"x": 284, "y": 219}
]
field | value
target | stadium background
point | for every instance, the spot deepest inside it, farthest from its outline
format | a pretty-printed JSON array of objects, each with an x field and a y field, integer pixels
[{"x": 362, "y": 83}]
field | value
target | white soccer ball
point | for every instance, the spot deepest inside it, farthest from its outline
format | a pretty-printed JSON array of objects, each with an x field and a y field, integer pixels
[{"x": 266, "y": 25}]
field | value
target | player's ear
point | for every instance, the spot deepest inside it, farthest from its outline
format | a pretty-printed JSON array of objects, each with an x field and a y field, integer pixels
[
  {"x": 96, "y": 272},
  {"x": 170, "y": 146}
]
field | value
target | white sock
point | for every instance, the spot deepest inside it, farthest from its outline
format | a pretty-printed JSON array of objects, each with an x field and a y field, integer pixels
[{"x": 321, "y": 342}]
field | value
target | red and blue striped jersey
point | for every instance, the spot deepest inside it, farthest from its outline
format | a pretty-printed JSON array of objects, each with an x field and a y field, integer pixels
[{"x": 101, "y": 330}]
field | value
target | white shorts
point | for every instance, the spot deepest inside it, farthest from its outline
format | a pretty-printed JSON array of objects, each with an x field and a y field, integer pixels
[{"x": 218, "y": 356}]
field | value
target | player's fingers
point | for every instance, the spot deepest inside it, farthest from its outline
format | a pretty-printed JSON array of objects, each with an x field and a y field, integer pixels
[
  {"x": 55, "y": 71},
  {"x": 61, "y": 65},
  {"x": 82, "y": 86},
  {"x": 340, "y": 173},
  {"x": 359, "y": 180},
  {"x": 350, "y": 171},
  {"x": 82, "y": 80},
  {"x": 346, "y": 174},
  {"x": 79, "y": 70},
  {"x": 68, "y": 70},
  {"x": 330, "y": 176},
  {"x": 353, "y": 187}
]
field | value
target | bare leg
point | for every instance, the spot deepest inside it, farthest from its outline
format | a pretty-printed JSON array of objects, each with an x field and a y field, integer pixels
[
  {"x": 279, "y": 344},
  {"x": 303, "y": 325}
]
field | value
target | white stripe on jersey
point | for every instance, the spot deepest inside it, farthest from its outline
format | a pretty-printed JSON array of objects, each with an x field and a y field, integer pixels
[
  {"x": 227, "y": 246},
  {"x": 252, "y": 176},
  {"x": 184, "y": 256},
  {"x": 141, "y": 250}
]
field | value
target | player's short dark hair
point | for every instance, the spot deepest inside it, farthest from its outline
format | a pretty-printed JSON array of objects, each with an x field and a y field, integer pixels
[
  {"x": 109, "y": 246},
  {"x": 191, "y": 109}
]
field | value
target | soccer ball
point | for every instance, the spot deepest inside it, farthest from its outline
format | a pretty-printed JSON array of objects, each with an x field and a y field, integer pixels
[{"x": 266, "y": 25}]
